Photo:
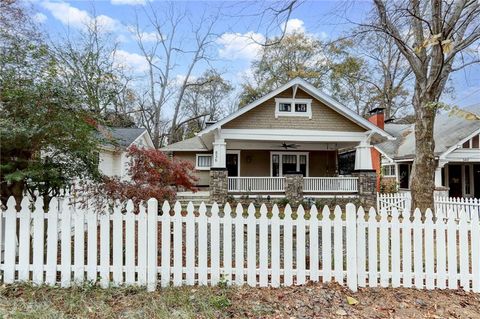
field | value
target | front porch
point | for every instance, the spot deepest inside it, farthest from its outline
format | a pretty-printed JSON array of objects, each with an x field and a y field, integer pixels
[{"x": 296, "y": 165}]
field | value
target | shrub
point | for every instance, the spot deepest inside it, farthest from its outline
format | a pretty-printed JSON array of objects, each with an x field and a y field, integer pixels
[{"x": 153, "y": 175}]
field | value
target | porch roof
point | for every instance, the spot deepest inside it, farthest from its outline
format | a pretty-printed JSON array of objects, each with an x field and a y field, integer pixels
[{"x": 194, "y": 144}]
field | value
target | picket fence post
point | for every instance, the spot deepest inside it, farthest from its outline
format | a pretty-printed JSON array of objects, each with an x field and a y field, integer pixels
[
  {"x": 177, "y": 244},
  {"x": 24, "y": 241},
  {"x": 152, "y": 226},
  {"x": 190, "y": 242},
  {"x": 165, "y": 244},
  {"x": 475, "y": 249},
  {"x": 351, "y": 222},
  {"x": 275, "y": 242},
  {"x": 263, "y": 243},
  {"x": 214, "y": 245}
]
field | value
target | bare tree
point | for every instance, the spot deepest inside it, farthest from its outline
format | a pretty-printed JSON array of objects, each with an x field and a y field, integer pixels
[
  {"x": 205, "y": 99},
  {"x": 162, "y": 55},
  {"x": 434, "y": 37},
  {"x": 88, "y": 63},
  {"x": 389, "y": 77}
]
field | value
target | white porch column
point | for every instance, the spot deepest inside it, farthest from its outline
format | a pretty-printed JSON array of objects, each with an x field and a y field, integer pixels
[
  {"x": 438, "y": 174},
  {"x": 363, "y": 156},
  {"x": 219, "y": 153}
]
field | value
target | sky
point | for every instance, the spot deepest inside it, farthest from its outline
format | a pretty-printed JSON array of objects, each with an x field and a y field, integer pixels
[{"x": 237, "y": 24}]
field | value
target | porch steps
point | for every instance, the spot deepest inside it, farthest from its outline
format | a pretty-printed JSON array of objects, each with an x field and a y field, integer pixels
[{"x": 196, "y": 198}]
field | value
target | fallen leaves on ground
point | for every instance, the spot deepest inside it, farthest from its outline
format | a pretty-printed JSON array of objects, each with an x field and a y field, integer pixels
[{"x": 309, "y": 301}]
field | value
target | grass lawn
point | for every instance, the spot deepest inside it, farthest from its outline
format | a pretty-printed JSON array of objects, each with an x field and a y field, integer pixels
[{"x": 309, "y": 301}]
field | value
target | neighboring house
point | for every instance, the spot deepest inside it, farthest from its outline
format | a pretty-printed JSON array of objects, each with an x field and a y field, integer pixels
[
  {"x": 457, "y": 153},
  {"x": 113, "y": 159},
  {"x": 295, "y": 129}
]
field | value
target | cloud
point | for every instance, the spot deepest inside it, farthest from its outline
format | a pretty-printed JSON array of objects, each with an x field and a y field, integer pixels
[
  {"x": 293, "y": 26},
  {"x": 79, "y": 19},
  {"x": 40, "y": 17},
  {"x": 149, "y": 36},
  {"x": 240, "y": 46},
  {"x": 132, "y": 61},
  {"x": 128, "y": 2},
  {"x": 179, "y": 78}
]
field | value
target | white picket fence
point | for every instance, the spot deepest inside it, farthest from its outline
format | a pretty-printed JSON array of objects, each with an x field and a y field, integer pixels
[
  {"x": 452, "y": 206},
  {"x": 194, "y": 246}
]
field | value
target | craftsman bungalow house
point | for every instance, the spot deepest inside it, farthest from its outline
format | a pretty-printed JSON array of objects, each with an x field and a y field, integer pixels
[{"x": 294, "y": 130}]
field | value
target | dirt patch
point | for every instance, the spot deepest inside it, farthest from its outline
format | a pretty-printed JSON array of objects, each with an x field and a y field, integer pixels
[
  {"x": 309, "y": 301},
  {"x": 330, "y": 301}
]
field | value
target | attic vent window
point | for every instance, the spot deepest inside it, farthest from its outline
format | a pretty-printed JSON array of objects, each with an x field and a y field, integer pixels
[{"x": 293, "y": 107}]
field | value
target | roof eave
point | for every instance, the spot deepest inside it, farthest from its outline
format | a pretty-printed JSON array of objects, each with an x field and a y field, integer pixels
[{"x": 319, "y": 95}]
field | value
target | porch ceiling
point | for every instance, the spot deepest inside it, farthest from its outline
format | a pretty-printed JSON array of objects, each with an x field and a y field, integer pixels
[
  {"x": 292, "y": 135},
  {"x": 277, "y": 145}
]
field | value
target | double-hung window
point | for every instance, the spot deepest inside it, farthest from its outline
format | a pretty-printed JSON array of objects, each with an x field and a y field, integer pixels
[
  {"x": 203, "y": 161},
  {"x": 389, "y": 170},
  {"x": 293, "y": 107}
]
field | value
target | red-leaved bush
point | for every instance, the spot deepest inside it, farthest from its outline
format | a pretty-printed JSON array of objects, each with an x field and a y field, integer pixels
[{"x": 152, "y": 175}]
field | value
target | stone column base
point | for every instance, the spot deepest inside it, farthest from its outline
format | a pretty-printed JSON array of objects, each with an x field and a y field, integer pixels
[
  {"x": 367, "y": 187},
  {"x": 294, "y": 188},
  {"x": 441, "y": 191},
  {"x": 218, "y": 185}
]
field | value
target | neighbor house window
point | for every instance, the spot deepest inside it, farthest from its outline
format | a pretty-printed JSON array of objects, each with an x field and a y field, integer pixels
[
  {"x": 388, "y": 170},
  {"x": 472, "y": 143},
  {"x": 293, "y": 107},
  {"x": 204, "y": 161}
]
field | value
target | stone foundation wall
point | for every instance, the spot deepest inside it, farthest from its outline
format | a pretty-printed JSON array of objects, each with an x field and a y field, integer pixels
[
  {"x": 367, "y": 187},
  {"x": 218, "y": 185},
  {"x": 294, "y": 188}
]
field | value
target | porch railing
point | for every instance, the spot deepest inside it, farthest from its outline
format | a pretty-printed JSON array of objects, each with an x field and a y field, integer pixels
[
  {"x": 330, "y": 184},
  {"x": 256, "y": 184},
  {"x": 277, "y": 184}
]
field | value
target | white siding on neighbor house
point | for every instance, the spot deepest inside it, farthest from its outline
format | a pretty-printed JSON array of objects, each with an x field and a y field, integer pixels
[
  {"x": 116, "y": 163},
  {"x": 105, "y": 164},
  {"x": 112, "y": 164}
]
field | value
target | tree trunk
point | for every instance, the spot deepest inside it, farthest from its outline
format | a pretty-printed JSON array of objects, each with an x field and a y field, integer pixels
[
  {"x": 14, "y": 189},
  {"x": 422, "y": 183}
]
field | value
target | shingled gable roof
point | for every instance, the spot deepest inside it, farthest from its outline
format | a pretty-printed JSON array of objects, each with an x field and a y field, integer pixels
[
  {"x": 120, "y": 136},
  {"x": 449, "y": 131},
  {"x": 314, "y": 92}
]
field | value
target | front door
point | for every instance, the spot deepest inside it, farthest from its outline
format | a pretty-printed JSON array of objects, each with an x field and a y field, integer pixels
[
  {"x": 232, "y": 165},
  {"x": 476, "y": 180},
  {"x": 455, "y": 180}
]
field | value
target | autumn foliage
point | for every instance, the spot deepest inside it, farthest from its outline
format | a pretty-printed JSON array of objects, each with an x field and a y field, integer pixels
[{"x": 152, "y": 175}]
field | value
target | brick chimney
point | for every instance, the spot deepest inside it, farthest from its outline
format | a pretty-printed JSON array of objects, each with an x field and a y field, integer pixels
[{"x": 377, "y": 117}]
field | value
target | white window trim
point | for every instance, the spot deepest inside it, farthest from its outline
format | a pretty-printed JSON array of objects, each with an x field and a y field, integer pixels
[
  {"x": 395, "y": 167},
  {"x": 280, "y": 170},
  {"x": 292, "y": 112},
  {"x": 198, "y": 168}
]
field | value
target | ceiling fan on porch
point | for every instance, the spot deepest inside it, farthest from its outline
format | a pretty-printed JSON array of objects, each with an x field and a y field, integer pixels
[{"x": 287, "y": 146}]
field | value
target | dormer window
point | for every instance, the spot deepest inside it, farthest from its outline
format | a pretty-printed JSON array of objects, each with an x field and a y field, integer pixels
[{"x": 293, "y": 107}]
